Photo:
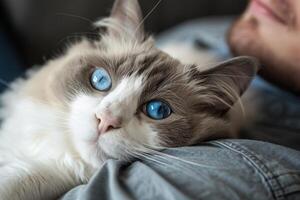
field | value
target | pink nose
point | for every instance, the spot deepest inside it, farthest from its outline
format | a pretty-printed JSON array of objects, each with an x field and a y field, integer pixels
[{"x": 108, "y": 122}]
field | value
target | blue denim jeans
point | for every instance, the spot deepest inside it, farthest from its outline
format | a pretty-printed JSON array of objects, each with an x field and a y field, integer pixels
[{"x": 221, "y": 169}]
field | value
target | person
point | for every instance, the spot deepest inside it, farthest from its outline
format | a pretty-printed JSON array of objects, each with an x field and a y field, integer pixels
[
  {"x": 232, "y": 168},
  {"x": 269, "y": 30}
]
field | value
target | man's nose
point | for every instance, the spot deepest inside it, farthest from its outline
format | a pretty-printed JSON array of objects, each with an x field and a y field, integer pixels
[{"x": 108, "y": 122}]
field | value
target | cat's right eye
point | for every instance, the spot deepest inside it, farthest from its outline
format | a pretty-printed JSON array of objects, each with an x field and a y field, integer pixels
[
  {"x": 100, "y": 79},
  {"x": 157, "y": 109}
]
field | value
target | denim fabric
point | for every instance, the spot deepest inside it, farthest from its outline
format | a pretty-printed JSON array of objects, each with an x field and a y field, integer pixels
[
  {"x": 203, "y": 34},
  {"x": 222, "y": 169},
  {"x": 278, "y": 116}
]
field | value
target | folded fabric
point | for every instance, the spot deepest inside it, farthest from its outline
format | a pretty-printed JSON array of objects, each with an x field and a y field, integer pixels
[{"x": 222, "y": 169}]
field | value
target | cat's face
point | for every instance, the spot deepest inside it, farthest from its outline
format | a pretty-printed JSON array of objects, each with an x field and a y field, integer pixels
[
  {"x": 124, "y": 95},
  {"x": 129, "y": 100},
  {"x": 122, "y": 100}
]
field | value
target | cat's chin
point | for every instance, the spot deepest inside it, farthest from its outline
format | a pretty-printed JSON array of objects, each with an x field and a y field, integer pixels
[{"x": 114, "y": 145}]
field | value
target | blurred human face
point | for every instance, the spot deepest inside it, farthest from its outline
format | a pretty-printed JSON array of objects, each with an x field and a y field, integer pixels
[{"x": 270, "y": 30}]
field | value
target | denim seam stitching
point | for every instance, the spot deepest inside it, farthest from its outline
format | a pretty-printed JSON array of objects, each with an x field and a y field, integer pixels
[
  {"x": 258, "y": 164},
  {"x": 287, "y": 173},
  {"x": 286, "y": 187},
  {"x": 289, "y": 193}
]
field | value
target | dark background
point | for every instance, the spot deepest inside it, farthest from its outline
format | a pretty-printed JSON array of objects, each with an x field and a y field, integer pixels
[{"x": 40, "y": 28}]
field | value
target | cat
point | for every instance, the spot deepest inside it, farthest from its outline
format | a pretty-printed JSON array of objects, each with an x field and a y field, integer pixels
[{"x": 109, "y": 98}]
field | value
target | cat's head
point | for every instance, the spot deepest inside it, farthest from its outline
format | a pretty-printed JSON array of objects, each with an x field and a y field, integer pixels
[{"x": 124, "y": 94}]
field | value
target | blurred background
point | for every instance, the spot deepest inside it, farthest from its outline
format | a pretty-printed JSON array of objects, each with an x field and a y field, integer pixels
[
  {"x": 39, "y": 27},
  {"x": 32, "y": 31}
]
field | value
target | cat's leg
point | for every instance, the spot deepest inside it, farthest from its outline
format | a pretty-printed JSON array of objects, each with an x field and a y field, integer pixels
[{"x": 21, "y": 180}]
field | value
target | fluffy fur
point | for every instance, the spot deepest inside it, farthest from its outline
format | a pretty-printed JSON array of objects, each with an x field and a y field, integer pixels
[{"x": 49, "y": 141}]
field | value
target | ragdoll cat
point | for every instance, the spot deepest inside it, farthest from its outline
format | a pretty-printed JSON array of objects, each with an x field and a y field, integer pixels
[{"x": 109, "y": 99}]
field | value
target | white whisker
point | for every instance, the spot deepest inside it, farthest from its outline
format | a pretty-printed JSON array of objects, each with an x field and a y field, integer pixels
[
  {"x": 148, "y": 157},
  {"x": 166, "y": 156},
  {"x": 147, "y": 15},
  {"x": 75, "y": 16}
]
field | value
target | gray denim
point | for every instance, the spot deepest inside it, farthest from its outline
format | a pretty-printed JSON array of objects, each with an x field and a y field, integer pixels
[{"x": 222, "y": 169}]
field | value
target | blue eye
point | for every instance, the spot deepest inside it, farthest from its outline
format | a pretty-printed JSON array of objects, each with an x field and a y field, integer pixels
[
  {"x": 100, "y": 79},
  {"x": 158, "y": 110}
]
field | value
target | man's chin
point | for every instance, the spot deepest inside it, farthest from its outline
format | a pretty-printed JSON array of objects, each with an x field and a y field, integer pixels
[{"x": 243, "y": 38}]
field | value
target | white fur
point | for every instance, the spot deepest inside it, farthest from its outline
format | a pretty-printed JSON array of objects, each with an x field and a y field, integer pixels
[{"x": 34, "y": 146}]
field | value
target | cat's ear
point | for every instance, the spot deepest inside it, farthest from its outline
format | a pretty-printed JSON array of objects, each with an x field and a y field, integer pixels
[
  {"x": 224, "y": 83},
  {"x": 125, "y": 20}
]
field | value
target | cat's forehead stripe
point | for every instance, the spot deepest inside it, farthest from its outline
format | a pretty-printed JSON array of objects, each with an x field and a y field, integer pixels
[{"x": 123, "y": 99}]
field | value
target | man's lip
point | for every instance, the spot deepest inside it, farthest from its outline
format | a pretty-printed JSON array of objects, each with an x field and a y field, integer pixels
[{"x": 262, "y": 8}]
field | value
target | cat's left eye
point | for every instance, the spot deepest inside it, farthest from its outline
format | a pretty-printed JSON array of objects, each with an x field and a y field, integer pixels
[
  {"x": 157, "y": 109},
  {"x": 100, "y": 79}
]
